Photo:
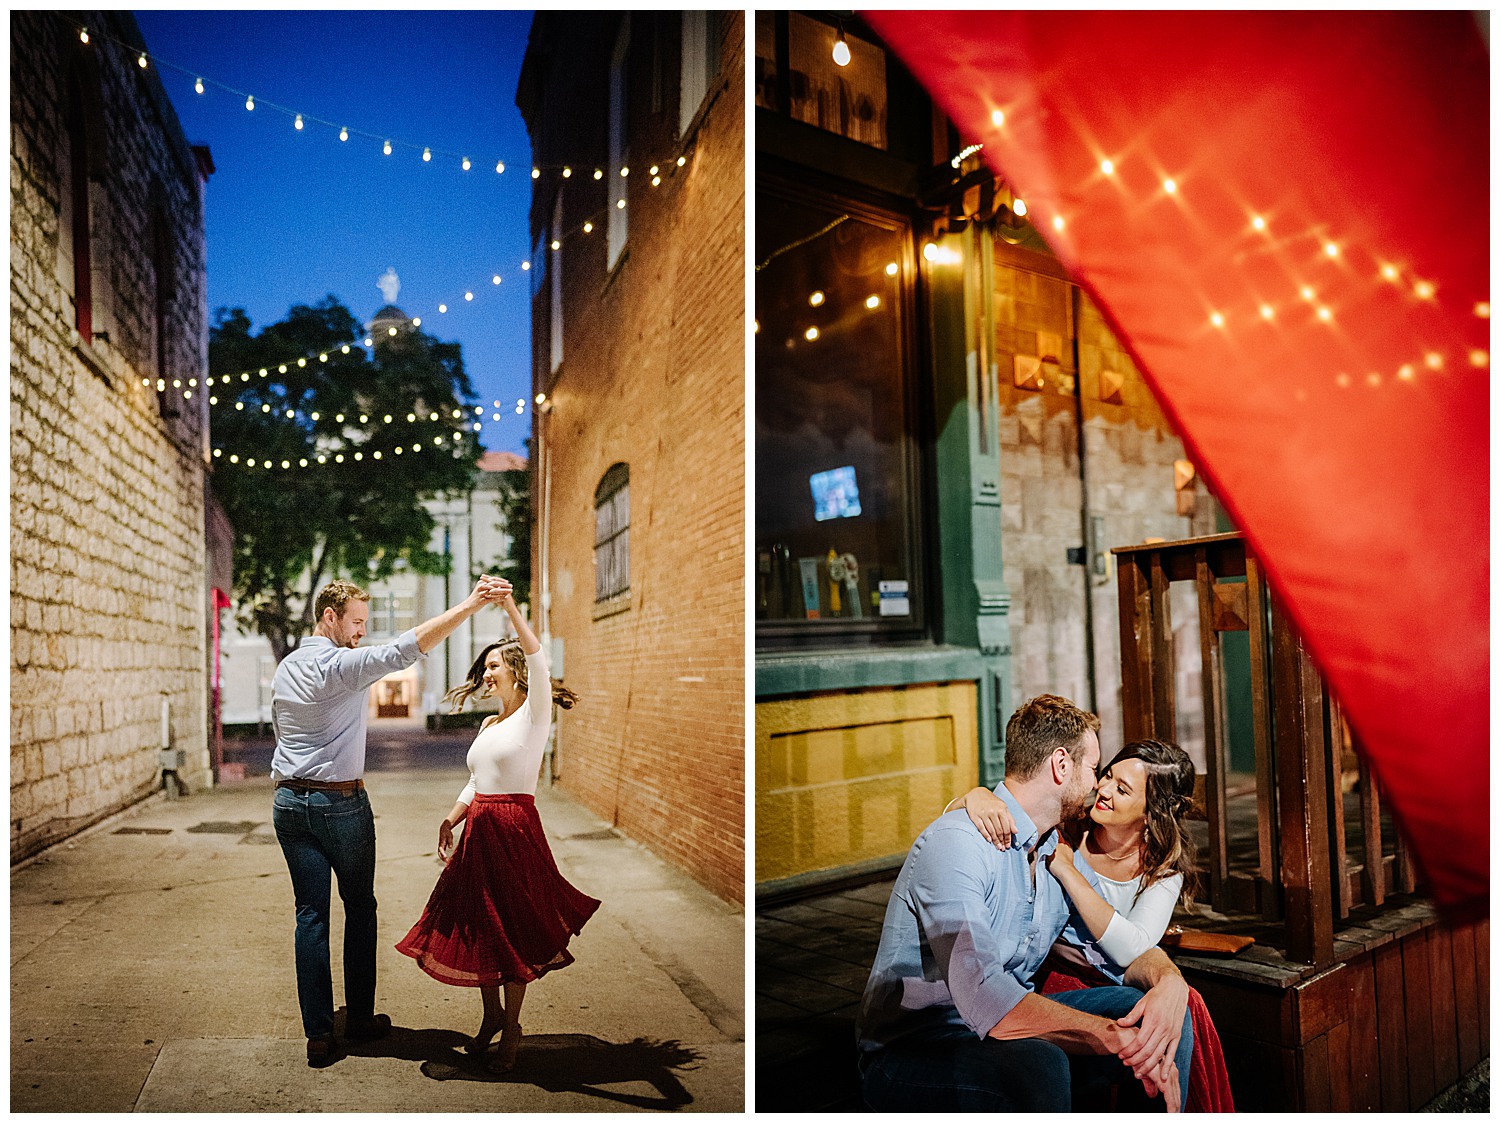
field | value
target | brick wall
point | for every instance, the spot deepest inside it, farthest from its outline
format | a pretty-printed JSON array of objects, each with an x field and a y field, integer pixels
[
  {"x": 652, "y": 376},
  {"x": 1129, "y": 452},
  {"x": 107, "y": 475}
]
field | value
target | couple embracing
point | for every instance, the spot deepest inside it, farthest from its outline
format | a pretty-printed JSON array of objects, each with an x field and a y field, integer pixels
[
  {"x": 501, "y": 914},
  {"x": 1012, "y": 892}
]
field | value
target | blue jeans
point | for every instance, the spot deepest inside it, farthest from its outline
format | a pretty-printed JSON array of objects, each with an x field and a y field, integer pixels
[
  {"x": 956, "y": 1071},
  {"x": 321, "y": 834}
]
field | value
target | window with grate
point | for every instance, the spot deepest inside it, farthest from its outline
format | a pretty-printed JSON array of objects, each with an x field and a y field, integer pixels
[{"x": 612, "y": 534}]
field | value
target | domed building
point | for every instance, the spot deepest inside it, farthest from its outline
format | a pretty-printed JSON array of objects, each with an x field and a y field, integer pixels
[{"x": 390, "y": 320}]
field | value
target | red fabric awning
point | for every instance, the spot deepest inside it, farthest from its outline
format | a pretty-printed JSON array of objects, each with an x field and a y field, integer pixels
[{"x": 1293, "y": 241}]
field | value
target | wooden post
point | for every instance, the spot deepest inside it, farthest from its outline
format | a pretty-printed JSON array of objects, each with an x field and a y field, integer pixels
[
  {"x": 1215, "y": 740},
  {"x": 1338, "y": 849},
  {"x": 1375, "y": 877},
  {"x": 1301, "y": 789},
  {"x": 1268, "y": 902},
  {"x": 1136, "y": 630},
  {"x": 1164, "y": 663}
]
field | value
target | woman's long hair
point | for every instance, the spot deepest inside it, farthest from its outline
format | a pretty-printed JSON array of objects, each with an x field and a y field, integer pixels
[
  {"x": 1166, "y": 845},
  {"x": 515, "y": 662}
]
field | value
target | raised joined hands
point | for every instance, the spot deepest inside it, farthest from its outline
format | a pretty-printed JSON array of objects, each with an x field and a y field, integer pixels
[{"x": 493, "y": 590}]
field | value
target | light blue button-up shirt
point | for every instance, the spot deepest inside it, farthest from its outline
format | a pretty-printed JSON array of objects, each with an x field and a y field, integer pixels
[
  {"x": 964, "y": 933},
  {"x": 320, "y": 705}
]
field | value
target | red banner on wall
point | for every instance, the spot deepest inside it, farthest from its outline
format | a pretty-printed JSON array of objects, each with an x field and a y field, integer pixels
[{"x": 1285, "y": 218}]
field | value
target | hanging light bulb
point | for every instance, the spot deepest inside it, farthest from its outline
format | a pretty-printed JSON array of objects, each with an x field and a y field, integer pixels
[
  {"x": 598, "y": 174},
  {"x": 556, "y": 244},
  {"x": 536, "y": 173},
  {"x": 387, "y": 148},
  {"x": 495, "y": 280},
  {"x": 466, "y": 163},
  {"x": 525, "y": 265},
  {"x": 426, "y": 155},
  {"x": 681, "y": 161},
  {"x": 83, "y": 35},
  {"x": 655, "y": 168},
  {"x": 656, "y": 181},
  {"x": 468, "y": 296},
  {"x": 141, "y": 62},
  {"x": 416, "y": 322},
  {"x": 442, "y": 308},
  {"x": 198, "y": 85},
  {"x": 343, "y": 134},
  {"x": 297, "y": 124},
  {"x": 567, "y": 173},
  {"x": 250, "y": 102},
  {"x": 1019, "y": 206},
  {"x": 588, "y": 227},
  {"x": 499, "y": 166},
  {"x": 841, "y": 47}
]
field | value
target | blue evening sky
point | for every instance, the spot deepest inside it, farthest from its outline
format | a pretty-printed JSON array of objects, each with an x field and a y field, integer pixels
[{"x": 293, "y": 216}]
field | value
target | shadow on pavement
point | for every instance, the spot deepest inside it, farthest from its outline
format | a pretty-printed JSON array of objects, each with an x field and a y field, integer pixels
[{"x": 567, "y": 1062}]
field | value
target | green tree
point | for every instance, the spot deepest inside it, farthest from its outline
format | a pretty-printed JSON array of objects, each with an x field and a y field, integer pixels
[{"x": 323, "y": 466}]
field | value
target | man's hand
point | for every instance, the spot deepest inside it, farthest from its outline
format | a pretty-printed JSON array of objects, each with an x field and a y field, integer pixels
[
  {"x": 1171, "y": 1087},
  {"x": 1155, "y": 1076},
  {"x": 491, "y": 589},
  {"x": 1158, "y": 1018}
]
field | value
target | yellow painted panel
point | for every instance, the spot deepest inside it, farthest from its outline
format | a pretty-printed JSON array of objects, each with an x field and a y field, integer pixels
[{"x": 848, "y": 777}]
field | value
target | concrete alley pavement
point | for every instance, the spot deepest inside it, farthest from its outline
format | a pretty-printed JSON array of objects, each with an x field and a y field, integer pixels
[{"x": 152, "y": 970}]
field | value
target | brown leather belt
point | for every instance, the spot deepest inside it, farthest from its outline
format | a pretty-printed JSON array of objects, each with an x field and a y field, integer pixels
[{"x": 322, "y": 785}]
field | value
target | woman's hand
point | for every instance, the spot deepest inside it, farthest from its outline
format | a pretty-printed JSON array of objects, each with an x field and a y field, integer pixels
[
  {"x": 991, "y": 816},
  {"x": 1063, "y": 855},
  {"x": 445, "y": 840},
  {"x": 490, "y": 589}
]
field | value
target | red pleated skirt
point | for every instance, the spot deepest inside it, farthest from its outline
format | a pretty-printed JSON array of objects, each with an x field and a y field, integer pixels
[{"x": 501, "y": 911}]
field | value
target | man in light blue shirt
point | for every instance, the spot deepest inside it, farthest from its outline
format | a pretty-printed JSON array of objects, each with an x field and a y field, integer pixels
[
  {"x": 950, "y": 1020},
  {"x": 319, "y": 710}
]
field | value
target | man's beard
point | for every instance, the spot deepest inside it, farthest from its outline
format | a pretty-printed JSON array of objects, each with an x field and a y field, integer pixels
[{"x": 1078, "y": 806}]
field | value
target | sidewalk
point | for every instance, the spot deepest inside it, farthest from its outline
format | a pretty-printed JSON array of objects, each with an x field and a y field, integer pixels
[
  {"x": 151, "y": 970},
  {"x": 812, "y": 959}
]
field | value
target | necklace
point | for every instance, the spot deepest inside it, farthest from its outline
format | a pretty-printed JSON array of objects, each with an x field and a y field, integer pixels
[{"x": 1124, "y": 854}]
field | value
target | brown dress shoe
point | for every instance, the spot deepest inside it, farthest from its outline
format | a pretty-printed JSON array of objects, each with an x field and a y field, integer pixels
[
  {"x": 322, "y": 1051},
  {"x": 373, "y": 1030}
]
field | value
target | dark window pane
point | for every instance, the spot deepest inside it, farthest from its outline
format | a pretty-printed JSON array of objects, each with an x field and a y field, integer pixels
[{"x": 835, "y": 504}]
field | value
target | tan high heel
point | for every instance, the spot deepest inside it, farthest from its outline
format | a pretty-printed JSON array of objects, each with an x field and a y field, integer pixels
[
  {"x": 505, "y": 1053},
  {"x": 480, "y": 1042}
]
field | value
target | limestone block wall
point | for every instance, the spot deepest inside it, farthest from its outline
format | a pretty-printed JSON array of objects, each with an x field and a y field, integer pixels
[
  {"x": 108, "y": 567},
  {"x": 1127, "y": 472},
  {"x": 652, "y": 376}
]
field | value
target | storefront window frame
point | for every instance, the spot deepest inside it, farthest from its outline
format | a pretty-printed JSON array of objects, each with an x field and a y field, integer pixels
[{"x": 801, "y": 185}]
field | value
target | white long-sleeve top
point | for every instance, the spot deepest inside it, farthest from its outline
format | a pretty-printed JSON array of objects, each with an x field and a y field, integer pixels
[
  {"x": 1138, "y": 924},
  {"x": 506, "y": 757}
]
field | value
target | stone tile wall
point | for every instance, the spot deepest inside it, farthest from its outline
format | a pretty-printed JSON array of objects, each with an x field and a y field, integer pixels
[
  {"x": 1127, "y": 470},
  {"x": 108, "y": 582}
]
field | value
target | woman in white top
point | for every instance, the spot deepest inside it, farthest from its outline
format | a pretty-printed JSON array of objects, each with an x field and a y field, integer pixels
[
  {"x": 501, "y": 914},
  {"x": 1124, "y": 868}
]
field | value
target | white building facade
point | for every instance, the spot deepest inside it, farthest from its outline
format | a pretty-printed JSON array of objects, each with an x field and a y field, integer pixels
[{"x": 471, "y": 532}]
